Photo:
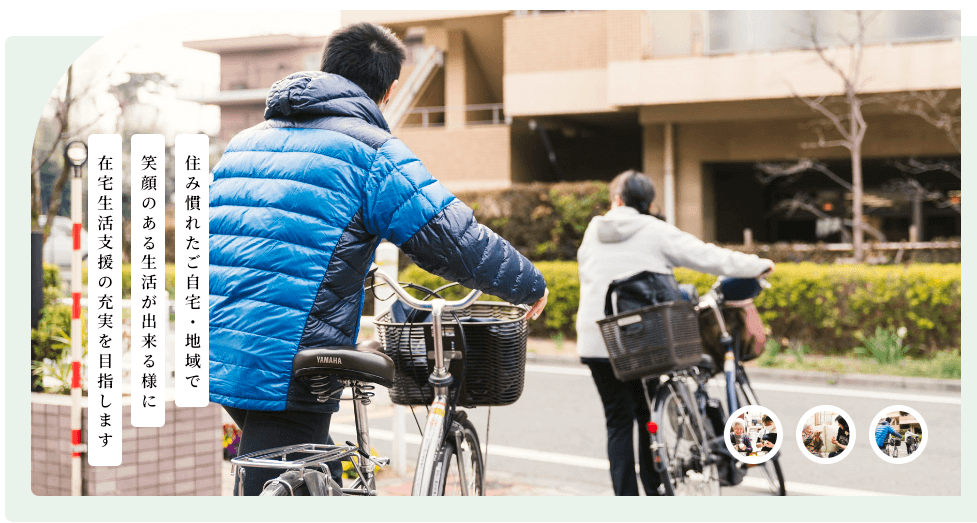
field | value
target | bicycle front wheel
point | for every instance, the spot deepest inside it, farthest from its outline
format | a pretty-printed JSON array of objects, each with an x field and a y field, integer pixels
[
  {"x": 680, "y": 445},
  {"x": 460, "y": 470},
  {"x": 770, "y": 469}
]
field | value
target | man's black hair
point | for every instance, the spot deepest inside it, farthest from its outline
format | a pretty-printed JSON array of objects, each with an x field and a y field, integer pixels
[{"x": 366, "y": 54}]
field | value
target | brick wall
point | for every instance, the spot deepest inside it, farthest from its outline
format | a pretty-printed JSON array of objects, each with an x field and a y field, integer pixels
[
  {"x": 183, "y": 457},
  {"x": 477, "y": 156},
  {"x": 556, "y": 42},
  {"x": 624, "y": 32}
]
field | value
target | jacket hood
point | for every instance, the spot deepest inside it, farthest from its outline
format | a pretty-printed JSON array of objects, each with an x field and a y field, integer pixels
[
  {"x": 619, "y": 224},
  {"x": 314, "y": 94}
]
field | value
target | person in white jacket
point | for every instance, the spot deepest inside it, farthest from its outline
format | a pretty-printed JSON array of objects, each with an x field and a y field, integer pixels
[{"x": 623, "y": 242}]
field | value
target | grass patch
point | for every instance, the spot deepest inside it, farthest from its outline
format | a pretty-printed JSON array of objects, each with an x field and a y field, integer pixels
[{"x": 943, "y": 364}]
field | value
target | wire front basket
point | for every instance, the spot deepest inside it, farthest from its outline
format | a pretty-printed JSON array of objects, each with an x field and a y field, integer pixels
[
  {"x": 651, "y": 341},
  {"x": 490, "y": 363}
]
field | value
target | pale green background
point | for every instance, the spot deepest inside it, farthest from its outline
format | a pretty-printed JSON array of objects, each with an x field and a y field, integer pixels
[{"x": 33, "y": 67}]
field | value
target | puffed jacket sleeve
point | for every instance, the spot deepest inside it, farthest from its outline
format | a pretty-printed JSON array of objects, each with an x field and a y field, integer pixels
[{"x": 408, "y": 207}]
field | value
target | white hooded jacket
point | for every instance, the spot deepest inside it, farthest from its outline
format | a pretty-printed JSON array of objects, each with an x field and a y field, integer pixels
[{"x": 624, "y": 242}]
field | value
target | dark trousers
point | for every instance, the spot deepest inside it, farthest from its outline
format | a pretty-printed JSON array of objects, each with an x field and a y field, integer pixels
[
  {"x": 624, "y": 404},
  {"x": 262, "y": 430}
]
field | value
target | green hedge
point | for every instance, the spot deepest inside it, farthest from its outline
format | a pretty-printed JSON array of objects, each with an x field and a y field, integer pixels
[{"x": 820, "y": 305}]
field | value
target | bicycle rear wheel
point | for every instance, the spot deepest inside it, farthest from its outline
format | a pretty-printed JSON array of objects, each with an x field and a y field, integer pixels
[
  {"x": 770, "y": 469},
  {"x": 681, "y": 451},
  {"x": 460, "y": 470}
]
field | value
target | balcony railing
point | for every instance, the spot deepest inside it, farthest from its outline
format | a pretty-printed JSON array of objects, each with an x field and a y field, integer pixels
[{"x": 476, "y": 114}]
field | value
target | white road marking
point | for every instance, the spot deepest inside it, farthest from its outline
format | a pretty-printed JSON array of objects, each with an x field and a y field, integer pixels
[
  {"x": 906, "y": 397},
  {"x": 554, "y": 369},
  {"x": 756, "y": 483},
  {"x": 808, "y": 489}
]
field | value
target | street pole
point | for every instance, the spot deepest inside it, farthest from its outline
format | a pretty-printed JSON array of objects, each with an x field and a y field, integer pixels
[
  {"x": 386, "y": 259},
  {"x": 76, "y": 154}
]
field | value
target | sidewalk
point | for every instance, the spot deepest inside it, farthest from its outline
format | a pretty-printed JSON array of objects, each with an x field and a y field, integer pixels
[
  {"x": 497, "y": 483},
  {"x": 548, "y": 352}
]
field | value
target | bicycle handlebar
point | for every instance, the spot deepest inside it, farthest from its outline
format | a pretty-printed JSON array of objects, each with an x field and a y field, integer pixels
[{"x": 413, "y": 302}]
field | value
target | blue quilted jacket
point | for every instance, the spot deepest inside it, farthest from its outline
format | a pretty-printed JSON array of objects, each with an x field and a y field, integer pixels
[{"x": 297, "y": 208}]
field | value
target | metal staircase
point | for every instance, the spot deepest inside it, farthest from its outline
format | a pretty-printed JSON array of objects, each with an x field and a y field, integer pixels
[{"x": 430, "y": 60}]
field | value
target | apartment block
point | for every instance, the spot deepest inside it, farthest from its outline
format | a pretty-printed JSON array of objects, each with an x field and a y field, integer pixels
[{"x": 695, "y": 99}]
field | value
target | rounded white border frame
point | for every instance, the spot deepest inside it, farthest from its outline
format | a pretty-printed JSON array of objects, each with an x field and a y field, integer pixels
[
  {"x": 753, "y": 460},
  {"x": 910, "y": 457},
  {"x": 851, "y": 438}
]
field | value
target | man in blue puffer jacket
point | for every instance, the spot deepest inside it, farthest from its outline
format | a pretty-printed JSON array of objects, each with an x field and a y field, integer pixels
[
  {"x": 297, "y": 208},
  {"x": 883, "y": 431}
]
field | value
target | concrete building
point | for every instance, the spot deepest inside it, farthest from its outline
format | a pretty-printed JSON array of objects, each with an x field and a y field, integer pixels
[{"x": 693, "y": 98}]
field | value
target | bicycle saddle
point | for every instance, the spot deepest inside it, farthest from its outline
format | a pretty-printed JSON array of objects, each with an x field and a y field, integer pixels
[{"x": 362, "y": 362}]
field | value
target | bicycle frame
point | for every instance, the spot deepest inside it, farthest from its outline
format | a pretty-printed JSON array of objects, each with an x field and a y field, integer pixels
[
  {"x": 439, "y": 418},
  {"x": 438, "y": 415},
  {"x": 730, "y": 362}
]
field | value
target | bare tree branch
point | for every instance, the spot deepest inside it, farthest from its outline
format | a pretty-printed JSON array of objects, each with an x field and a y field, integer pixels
[
  {"x": 803, "y": 202},
  {"x": 914, "y": 167},
  {"x": 817, "y": 105},
  {"x": 934, "y": 108},
  {"x": 767, "y": 172},
  {"x": 912, "y": 188}
]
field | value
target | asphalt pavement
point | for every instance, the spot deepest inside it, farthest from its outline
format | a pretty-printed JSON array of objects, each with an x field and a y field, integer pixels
[{"x": 552, "y": 441}]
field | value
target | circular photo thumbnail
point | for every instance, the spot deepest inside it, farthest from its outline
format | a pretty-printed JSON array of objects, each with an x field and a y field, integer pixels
[
  {"x": 900, "y": 434},
  {"x": 826, "y": 434},
  {"x": 751, "y": 434}
]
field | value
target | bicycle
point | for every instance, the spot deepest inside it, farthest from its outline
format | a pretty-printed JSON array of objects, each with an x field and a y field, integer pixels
[
  {"x": 892, "y": 447},
  {"x": 661, "y": 345},
  {"x": 450, "y": 460}
]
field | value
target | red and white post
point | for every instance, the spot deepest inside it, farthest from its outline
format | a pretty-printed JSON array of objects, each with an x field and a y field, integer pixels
[{"x": 76, "y": 154}]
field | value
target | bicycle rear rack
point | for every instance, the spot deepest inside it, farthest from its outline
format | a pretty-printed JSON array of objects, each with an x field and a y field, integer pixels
[
  {"x": 304, "y": 456},
  {"x": 310, "y": 455}
]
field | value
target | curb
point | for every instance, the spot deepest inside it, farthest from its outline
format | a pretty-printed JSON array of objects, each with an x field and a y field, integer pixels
[
  {"x": 857, "y": 380},
  {"x": 544, "y": 359},
  {"x": 805, "y": 376}
]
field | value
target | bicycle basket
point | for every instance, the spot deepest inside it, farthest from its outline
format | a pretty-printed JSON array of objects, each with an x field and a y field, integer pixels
[
  {"x": 652, "y": 340},
  {"x": 494, "y": 367}
]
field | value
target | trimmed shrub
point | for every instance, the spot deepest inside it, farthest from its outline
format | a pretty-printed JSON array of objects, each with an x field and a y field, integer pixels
[
  {"x": 816, "y": 305},
  {"x": 543, "y": 221}
]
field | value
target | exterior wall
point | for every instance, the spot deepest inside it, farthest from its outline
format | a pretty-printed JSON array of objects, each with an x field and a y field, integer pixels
[
  {"x": 748, "y": 141},
  {"x": 556, "y": 64},
  {"x": 555, "y": 42},
  {"x": 476, "y": 157},
  {"x": 624, "y": 29},
  {"x": 183, "y": 457},
  {"x": 260, "y": 69},
  {"x": 456, "y": 79},
  {"x": 886, "y": 68},
  {"x": 410, "y": 16},
  {"x": 236, "y": 118}
]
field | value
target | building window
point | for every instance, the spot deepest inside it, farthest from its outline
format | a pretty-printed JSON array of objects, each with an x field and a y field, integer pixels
[{"x": 731, "y": 32}]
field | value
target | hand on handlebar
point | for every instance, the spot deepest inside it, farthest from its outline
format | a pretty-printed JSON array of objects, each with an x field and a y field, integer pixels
[
  {"x": 538, "y": 307},
  {"x": 769, "y": 271}
]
